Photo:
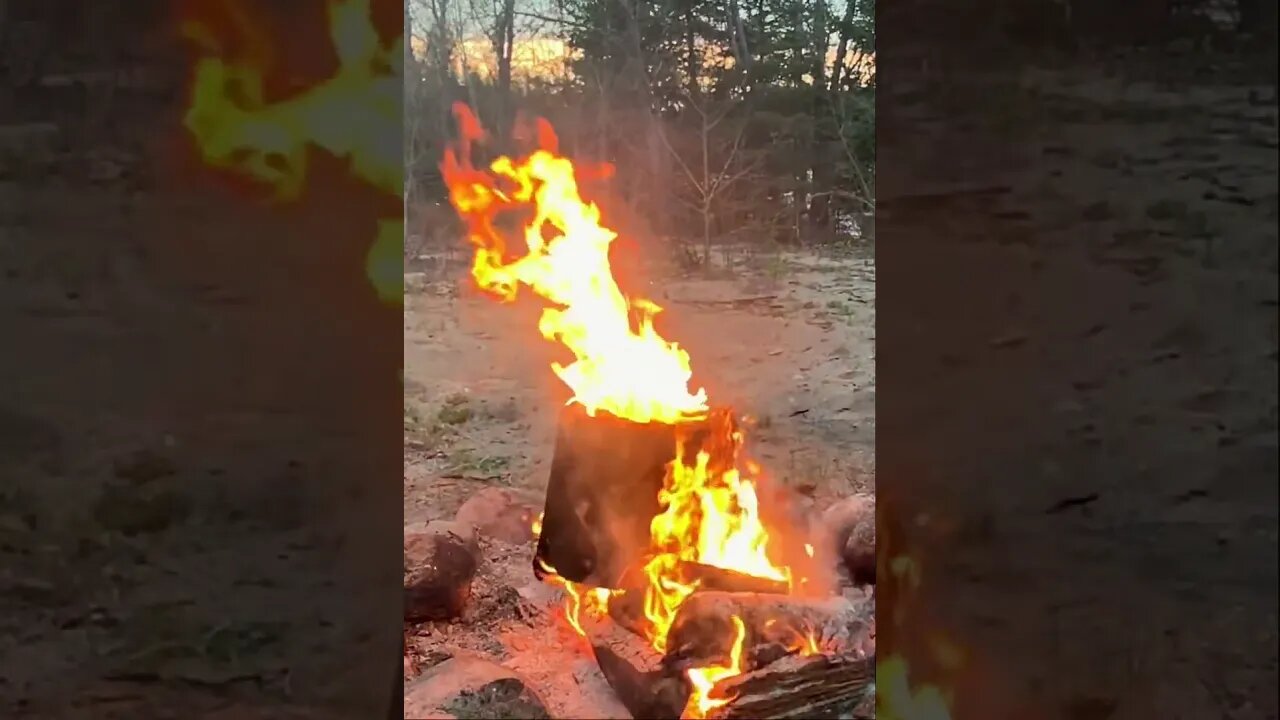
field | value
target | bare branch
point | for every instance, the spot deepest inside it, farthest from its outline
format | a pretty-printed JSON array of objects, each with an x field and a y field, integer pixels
[
  {"x": 662, "y": 134},
  {"x": 720, "y": 177}
]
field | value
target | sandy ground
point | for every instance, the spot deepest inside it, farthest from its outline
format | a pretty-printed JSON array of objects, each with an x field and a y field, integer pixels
[
  {"x": 481, "y": 405},
  {"x": 801, "y": 362}
]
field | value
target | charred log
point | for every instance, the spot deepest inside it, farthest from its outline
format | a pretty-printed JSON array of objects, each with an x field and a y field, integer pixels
[
  {"x": 635, "y": 673},
  {"x": 602, "y": 494},
  {"x": 627, "y": 608},
  {"x": 818, "y": 686},
  {"x": 711, "y": 578},
  {"x": 703, "y": 628}
]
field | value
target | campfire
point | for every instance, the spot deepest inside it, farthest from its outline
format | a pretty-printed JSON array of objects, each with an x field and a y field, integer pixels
[{"x": 693, "y": 599}]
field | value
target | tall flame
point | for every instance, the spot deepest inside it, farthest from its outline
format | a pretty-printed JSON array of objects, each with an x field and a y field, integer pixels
[
  {"x": 711, "y": 517},
  {"x": 710, "y": 513},
  {"x": 622, "y": 366}
]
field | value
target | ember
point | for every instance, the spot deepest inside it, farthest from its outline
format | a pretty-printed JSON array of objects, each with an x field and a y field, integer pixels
[{"x": 649, "y": 500}]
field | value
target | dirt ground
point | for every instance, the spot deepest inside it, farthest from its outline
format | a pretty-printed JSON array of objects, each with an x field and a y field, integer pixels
[
  {"x": 481, "y": 400},
  {"x": 791, "y": 346}
]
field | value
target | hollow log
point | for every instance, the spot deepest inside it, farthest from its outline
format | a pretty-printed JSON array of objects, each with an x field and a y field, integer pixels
[
  {"x": 601, "y": 495},
  {"x": 703, "y": 628},
  {"x": 801, "y": 688}
]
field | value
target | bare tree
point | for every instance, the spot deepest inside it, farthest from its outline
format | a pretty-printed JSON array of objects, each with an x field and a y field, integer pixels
[{"x": 707, "y": 181}]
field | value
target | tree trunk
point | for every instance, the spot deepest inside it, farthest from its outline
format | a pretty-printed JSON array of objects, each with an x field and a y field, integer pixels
[
  {"x": 820, "y": 39},
  {"x": 842, "y": 49},
  {"x": 503, "y": 45}
]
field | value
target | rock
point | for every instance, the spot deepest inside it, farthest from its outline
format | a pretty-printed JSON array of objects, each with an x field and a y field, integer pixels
[
  {"x": 499, "y": 513},
  {"x": 440, "y": 561},
  {"x": 847, "y": 530},
  {"x": 470, "y": 688},
  {"x": 859, "y": 553},
  {"x": 840, "y": 519}
]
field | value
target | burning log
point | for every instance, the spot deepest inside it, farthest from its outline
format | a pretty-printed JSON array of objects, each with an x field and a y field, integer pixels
[
  {"x": 635, "y": 673},
  {"x": 602, "y": 494},
  {"x": 803, "y": 688},
  {"x": 627, "y": 608},
  {"x": 712, "y": 578},
  {"x": 703, "y": 628}
]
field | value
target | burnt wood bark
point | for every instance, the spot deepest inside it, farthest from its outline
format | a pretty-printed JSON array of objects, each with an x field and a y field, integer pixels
[
  {"x": 635, "y": 673},
  {"x": 627, "y": 608},
  {"x": 808, "y": 688},
  {"x": 703, "y": 628},
  {"x": 602, "y": 494}
]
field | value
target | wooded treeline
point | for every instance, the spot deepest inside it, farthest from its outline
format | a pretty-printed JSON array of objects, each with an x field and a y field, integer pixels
[{"x": 726, "y": 120}]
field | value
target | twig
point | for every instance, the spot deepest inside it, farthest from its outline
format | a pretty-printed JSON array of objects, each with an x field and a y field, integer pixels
[{"x": 734, "y": 301}]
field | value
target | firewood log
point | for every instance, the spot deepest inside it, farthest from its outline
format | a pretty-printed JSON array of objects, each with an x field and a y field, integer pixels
[
  {"x": 605, "y": 633},
  {"x": 635, "y": 673},
  {"x": 703, "y": 628},
  {"x": 801, "y": 688},
  {"x": 602, "y": 494},
  {"x": 627, "y": 607}
]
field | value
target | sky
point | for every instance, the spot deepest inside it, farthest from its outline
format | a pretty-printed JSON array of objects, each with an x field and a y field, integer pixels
[{"x": 538, "y": 52}]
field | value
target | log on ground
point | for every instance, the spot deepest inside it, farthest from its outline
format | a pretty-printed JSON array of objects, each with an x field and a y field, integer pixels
[
  {"x": 627, "y": 607},
  {"x": 635, "y": 673},
  {"x": 704, "y": 630},
  {"x": 808, "y": 688}
]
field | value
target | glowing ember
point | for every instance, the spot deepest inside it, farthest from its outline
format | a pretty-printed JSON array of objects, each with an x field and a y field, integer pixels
[{"x": 622, "y": 366}]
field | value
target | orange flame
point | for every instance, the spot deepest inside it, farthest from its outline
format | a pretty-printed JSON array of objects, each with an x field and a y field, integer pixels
[
  {"x": 623, "y": 367},
  {"x": 705, "y": 697},
  {"x": 710, "y": 510},
  {"x": 578, "y": 599},
  {"x": 710, "y": 516}
]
